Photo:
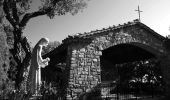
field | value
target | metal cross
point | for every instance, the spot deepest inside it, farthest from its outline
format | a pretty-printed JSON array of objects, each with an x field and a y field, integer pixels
[{"x": 139, "y": 11}]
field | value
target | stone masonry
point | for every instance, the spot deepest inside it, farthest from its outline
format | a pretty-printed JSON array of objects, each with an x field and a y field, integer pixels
[{"x": 85, "y": 69}]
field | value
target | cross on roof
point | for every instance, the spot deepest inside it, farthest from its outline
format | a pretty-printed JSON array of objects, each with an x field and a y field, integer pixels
[{"x": 139, "y": 11}]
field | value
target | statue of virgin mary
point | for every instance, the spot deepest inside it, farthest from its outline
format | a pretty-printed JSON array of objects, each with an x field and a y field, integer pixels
[{"x": 37, "y": 62}]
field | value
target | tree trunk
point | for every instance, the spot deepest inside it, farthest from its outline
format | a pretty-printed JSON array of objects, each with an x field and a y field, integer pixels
[{"x": 22, "y": 54}]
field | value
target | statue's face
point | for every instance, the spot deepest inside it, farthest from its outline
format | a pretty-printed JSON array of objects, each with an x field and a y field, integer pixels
[{"x": 44, "y": 42}]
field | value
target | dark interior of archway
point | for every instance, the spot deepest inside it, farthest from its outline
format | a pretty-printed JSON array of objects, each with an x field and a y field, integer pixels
[
  {"x": 126, "y": 66},
  {"x": 125, "y": 53},
  {"x": 120, "y": 54}
]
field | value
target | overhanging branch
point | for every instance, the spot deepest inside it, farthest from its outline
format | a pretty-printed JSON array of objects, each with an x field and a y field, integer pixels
[{"x": 28, "y": 16}]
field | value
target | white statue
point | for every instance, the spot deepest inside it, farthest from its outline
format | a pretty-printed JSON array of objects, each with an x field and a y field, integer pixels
[{"x": 34, "y": 78}]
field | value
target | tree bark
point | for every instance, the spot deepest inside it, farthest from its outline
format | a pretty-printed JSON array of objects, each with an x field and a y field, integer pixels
[{"x": 20, "y": 43}]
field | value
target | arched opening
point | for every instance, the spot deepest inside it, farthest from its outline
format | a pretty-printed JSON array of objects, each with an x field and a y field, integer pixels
[{"x": 130, "y": 71}]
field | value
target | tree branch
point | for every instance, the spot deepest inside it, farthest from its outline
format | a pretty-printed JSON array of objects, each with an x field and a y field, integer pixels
[
  {"x": 15, "y": 12},
  {"x": 15, "y": 50},
  {"x": 28, "y": 16},
  {"x": 26, "y": 46},
  {"x": 8, "y": 16}
]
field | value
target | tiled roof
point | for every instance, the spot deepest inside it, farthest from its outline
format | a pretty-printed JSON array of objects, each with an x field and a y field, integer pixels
[{"x": 87, "y": 35}]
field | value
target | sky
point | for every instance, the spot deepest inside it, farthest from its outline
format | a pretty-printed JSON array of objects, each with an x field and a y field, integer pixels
[{"x": 100, "y": 14}]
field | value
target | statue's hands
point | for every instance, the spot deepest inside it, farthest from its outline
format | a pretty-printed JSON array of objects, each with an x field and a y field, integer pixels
[
  {"x": 47, "y": 59},
  {"x": 45, "y": 62}
]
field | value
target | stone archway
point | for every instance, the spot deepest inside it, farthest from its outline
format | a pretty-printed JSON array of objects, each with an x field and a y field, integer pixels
[
  {"x": 110, "y": 40},
  {"x": 105, "y": 42}
]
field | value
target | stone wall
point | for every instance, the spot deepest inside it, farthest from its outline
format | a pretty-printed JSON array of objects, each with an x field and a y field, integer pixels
[{"x": 84, "y": 69}]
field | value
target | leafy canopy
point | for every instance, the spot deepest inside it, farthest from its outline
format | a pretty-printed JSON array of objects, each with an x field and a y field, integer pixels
[{"x": 21, "y": 11}]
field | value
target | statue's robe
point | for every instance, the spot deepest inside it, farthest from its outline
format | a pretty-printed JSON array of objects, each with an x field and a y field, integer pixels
[
  {"x": 33, "y": 70},
  {"x": 34, "y": 78}
]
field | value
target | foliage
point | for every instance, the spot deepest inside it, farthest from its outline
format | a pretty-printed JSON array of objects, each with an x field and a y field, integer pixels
[
  {"x": 145, "y": 75},
  {"x": 14, "y": 9},
  {"x": 91, "y": 94},
  {"x": 48, "y": 92},
  {"x": 6, "y": 84},
  {"x": 143, "y": 71},
  {"x": 19, "y": 12},
  {"x": 51, "y": 91}
]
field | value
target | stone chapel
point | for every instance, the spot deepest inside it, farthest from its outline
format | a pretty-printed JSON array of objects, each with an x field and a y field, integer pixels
[{"x": 82, "y": 57}]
